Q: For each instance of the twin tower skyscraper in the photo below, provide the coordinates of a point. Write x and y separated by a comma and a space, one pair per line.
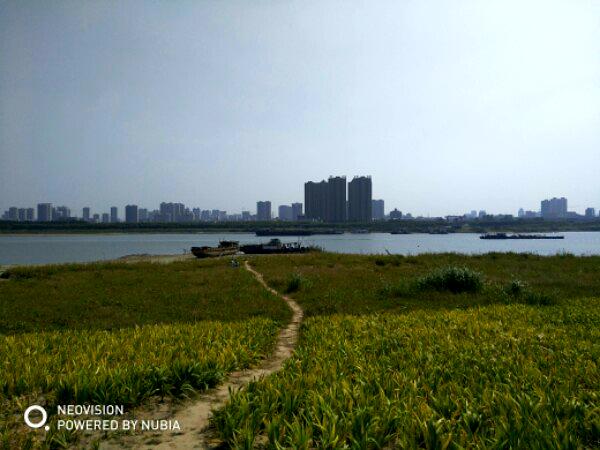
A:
336, 201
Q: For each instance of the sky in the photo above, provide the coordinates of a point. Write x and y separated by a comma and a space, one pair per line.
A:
449, 105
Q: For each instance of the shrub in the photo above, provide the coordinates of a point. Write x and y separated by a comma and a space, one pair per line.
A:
515, 288
453, 279
294, 283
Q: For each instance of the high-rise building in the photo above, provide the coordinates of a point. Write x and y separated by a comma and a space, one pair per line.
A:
114, 214
96, 218
521, 213
143, 215
61, 213
315, 200
263, 211
131, 214
482, 214
22, 214
336, 200
378, 207
86, 213
554, 208
13, 213
296, 211
246, 216
105, 218
360, 200
285, 213
395, 214
30, 215
590, 213
44, 212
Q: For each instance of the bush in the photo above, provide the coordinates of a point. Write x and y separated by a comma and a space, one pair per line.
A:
515, 288
294, 283
453, 279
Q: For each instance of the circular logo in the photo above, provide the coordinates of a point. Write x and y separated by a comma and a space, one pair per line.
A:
39, 409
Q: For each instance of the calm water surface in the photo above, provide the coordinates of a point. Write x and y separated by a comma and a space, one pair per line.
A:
43, 249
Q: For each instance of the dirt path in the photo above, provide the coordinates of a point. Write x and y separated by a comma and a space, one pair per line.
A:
194, 418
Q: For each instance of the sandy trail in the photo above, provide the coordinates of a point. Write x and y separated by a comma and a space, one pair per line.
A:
194, 418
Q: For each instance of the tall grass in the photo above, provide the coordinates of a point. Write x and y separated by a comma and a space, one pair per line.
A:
502, 376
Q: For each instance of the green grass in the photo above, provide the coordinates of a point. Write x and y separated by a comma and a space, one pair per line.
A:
499, 376
119, 333
116, 295
355, 284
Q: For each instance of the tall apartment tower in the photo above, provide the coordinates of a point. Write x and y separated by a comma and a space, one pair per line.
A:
336, 200
44, 212
86, 213
296, 210
114, 214
316, 200
263, 211
360, 198
554, 208
131, 214
378, 210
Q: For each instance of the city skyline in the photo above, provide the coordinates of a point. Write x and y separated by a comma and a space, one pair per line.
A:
449, 107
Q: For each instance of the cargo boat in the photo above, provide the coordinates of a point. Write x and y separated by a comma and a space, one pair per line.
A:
225, 248
518, 236
283, 232
275, 246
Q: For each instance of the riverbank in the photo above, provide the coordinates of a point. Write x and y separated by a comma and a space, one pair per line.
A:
506, 340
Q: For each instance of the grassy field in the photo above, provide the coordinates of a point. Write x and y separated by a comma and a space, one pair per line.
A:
391, 356
103, 296
431, 351
354, 284
120, 333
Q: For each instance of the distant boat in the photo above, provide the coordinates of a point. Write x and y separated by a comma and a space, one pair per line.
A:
283, 232
275, 246
225, 248
518, 236
399, 232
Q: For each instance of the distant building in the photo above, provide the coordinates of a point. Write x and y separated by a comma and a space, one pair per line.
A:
205, 215
378, 209
315, 200
114, 214
86, 213
143, 215
263, 211
30, 214
131, 214
96, 218
482, 214
61, 213
360, 200
13, 213
555, 208
521, 213
395, 214
44, 212
285, 213
296, 211
590, 213
105, 218
246, 216
336, 200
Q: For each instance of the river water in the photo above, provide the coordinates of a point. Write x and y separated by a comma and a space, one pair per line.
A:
43, 249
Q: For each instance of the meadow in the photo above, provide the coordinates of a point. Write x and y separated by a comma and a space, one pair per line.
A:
118, 333
433, 351
429, 351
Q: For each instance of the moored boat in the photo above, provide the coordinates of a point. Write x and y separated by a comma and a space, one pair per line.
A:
225, 248
275, 246
518, 236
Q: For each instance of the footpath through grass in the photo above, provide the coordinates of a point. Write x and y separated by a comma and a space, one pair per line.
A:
121, 333
433, 351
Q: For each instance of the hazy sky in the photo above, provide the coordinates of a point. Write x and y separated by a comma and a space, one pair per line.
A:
448, 105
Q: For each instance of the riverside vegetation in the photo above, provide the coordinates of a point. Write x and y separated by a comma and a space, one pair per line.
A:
118, 333
432, 351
